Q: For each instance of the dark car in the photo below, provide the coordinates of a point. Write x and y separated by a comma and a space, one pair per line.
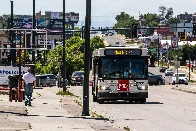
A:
155, 79
162, 69
77, 78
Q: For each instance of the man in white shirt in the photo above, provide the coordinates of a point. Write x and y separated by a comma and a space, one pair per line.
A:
28, 78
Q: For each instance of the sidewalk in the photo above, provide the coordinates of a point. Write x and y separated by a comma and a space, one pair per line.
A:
49, 112
181, 87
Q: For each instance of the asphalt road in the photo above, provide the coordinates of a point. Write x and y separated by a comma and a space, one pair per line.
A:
165, 110
111, 40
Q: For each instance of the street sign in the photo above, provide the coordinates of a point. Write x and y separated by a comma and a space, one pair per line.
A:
161, 50
180, 27
177, 64
174, 42
152, 49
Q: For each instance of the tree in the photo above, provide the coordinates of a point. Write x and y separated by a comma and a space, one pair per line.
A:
172, 20
77, 33
169, 13
74, 55
162, 10
165, 13
125, 21
23, 57
151, 20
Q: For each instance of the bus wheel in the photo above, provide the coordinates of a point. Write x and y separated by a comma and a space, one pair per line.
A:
130, 101
143, 100
100, 101
94, 98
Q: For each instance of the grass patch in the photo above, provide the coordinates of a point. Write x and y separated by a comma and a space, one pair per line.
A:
126, 128
60, 100
78, 102
94, 114
63, 93
38, 94
191, 81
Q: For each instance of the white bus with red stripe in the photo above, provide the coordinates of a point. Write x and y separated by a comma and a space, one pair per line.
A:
120, 73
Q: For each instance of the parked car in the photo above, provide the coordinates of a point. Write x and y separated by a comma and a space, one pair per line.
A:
155, 79
162, 69
182, 79
61, 82
168, 72
41, 80
77, 78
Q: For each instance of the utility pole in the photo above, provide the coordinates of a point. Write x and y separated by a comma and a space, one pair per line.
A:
158, 51
12, 38
167, 54
64, 60
189, 59
170, 53
85, 111
33, 38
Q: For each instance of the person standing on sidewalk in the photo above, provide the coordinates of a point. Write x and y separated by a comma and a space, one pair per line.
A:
28, 78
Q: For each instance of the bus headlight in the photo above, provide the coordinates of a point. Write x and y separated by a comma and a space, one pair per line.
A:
141, 87
104, 88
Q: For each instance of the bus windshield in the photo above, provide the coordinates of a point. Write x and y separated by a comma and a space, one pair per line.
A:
126, 67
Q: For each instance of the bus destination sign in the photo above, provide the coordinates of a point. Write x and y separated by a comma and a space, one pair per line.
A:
134, 52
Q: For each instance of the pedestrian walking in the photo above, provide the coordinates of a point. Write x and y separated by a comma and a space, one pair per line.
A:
28, 78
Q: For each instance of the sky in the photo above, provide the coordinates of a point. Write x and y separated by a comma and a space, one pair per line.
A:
103, 12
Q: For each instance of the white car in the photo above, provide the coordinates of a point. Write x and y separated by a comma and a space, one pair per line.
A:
168, 72
182, 79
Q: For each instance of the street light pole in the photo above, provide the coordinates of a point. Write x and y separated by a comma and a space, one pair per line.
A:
167, 55
12, 51
158, 50
85, 111
64, 60
33, 38
189, 60
170, 53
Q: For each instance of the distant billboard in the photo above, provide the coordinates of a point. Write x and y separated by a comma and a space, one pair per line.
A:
24, 23
164, 30
54, 24
70, 17
56, 15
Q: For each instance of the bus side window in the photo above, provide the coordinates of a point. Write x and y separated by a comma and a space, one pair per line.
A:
100, 68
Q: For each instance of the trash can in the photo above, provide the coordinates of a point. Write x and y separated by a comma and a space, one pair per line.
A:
13, 84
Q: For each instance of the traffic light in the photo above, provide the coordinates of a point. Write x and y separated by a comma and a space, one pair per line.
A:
182, 35
194, 29
134, 30
9, 58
